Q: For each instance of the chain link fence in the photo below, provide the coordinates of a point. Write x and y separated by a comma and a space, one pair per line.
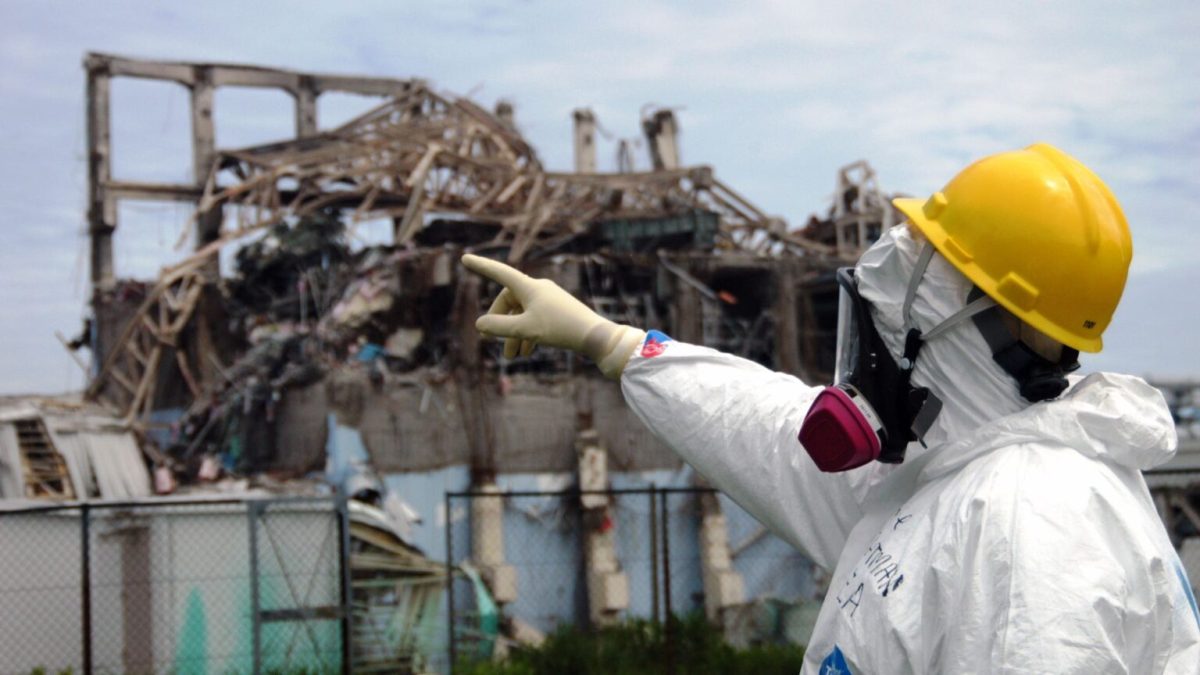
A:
175, 586
524, 564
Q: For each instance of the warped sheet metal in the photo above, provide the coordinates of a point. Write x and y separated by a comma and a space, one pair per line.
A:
11, 485
102, 458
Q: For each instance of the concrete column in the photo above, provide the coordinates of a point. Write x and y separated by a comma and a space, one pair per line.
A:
687, 311
662, 136
487, 544
208, 228
607, 584
585, 141
787, 318
306, 108
723, 586
504, 111
102, 211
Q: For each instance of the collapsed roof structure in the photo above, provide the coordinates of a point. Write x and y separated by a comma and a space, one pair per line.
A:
673, 247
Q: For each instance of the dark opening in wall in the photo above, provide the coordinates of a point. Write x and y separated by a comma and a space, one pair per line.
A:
741, 320
818, 311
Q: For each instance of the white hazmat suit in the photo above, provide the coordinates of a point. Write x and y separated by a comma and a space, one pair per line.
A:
1023, 540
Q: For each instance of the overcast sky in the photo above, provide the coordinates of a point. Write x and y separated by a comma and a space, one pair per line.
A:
775, 95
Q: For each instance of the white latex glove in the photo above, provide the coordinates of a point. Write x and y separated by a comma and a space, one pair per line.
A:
530, 312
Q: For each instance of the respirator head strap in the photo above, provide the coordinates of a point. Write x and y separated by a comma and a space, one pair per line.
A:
1038, 378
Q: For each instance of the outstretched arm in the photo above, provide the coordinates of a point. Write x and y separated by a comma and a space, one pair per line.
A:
733, 420
736, 422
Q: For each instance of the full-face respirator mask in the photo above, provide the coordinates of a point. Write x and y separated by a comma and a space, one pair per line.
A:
873, 411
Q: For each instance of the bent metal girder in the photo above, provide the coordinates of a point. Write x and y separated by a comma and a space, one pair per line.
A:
422, 154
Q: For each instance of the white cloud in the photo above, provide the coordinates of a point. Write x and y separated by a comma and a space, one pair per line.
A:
776, 95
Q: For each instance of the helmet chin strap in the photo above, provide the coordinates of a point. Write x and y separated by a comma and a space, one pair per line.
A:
971, 309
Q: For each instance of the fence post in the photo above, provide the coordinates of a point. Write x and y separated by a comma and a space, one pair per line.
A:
343, 520
654, 552
450, 647
253, 509
667, 627
85, 579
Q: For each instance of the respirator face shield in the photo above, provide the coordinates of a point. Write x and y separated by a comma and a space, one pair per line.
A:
872, 411
850, 310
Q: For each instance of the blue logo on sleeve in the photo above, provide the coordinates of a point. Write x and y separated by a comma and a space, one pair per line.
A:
654, 344
658, 336
835, 664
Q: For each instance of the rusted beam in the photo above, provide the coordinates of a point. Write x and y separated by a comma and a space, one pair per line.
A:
118, 66
153, 191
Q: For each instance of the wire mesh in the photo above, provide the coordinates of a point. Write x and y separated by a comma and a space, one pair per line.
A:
173, 587
40, 591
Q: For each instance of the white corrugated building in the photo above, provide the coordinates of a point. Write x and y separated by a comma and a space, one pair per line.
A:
61, 449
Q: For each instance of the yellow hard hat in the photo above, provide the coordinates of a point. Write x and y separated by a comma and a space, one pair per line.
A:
1040, 233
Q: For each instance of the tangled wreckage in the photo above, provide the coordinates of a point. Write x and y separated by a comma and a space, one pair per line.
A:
246, 368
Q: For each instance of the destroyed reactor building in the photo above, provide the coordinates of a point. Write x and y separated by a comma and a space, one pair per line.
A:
252, 362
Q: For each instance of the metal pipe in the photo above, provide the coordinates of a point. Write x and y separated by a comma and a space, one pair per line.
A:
450, 646
667, 626
343, 522
654, 553
253, 509
85, 527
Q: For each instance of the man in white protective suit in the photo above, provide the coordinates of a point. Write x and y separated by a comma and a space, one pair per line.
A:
981, 510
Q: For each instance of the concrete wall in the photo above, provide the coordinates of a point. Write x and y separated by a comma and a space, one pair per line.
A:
415, 426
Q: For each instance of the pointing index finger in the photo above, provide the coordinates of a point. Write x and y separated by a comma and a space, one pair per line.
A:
509, 277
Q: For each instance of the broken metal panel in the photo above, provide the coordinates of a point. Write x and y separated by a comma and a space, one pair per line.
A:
59, 449
695, 229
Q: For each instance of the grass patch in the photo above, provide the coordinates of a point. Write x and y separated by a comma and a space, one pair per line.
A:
638, 647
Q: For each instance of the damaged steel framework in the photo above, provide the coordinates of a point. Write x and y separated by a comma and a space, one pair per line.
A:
673, 247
